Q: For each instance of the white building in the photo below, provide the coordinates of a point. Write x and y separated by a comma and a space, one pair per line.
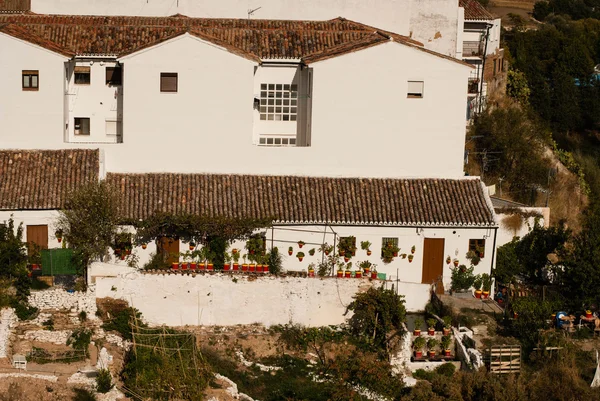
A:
355, 101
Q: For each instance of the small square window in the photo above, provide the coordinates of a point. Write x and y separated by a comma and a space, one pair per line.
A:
30, 80
82, 126
477, 246
415, 89
83, 75
168, 82
113, 76
262, 141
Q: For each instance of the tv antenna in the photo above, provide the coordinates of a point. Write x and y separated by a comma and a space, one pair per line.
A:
251, 11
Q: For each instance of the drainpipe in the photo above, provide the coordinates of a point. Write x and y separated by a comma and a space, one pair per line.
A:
493, 258
487, 36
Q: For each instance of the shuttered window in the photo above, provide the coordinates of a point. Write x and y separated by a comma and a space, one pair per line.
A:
83, 75
30, 80
415, 89
168, 82
113, 75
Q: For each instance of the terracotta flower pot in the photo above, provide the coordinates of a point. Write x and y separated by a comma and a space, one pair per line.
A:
193, 265
374, 275
417, 332
175, 265
210, 267
59, 240
447, 352
122, 257
202, 266
259, 268
300, 258
456, 263
300, 244
446, 331
340, 273
358, 274
431, 354
418, 354
265, 269
236, 267
485, 294
252, 268
348, 274
311, 273
367, 270
346, 259
184, 266
369, 253
226, 267
326, 253
245, 267
588, 314
290, 253
478, 294
144, 246
431, 331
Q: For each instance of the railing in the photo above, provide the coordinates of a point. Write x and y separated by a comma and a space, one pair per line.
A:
471, 48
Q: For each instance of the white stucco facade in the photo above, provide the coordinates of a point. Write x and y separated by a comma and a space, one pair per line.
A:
433, 22
362, 123
34, 218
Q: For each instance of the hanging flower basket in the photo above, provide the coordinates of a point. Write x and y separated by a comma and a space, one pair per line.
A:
455, 261
144, 246
192, 246
448, 260
410, 258
301, 244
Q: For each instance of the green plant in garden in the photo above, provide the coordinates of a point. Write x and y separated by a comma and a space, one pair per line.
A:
275, 261
311, 252
432, 343
446, 342
477, 282
486, 282
80, 339
419, 323
419, 343
447, 321
462, 278
431, 323
104, 381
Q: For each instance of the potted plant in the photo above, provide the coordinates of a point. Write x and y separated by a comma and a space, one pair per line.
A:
445, 345
431, 344
413, 249
301, 244
418, 325
347, 246
366, 246
340, 272
192, 246
326, 248
486, 282
447, 325
201, 255
226, 261
419, 345
477, 286
245, 266
389, 252
410, 258
235, 256
255, 246
474, 256
365, 265
311, 270
35, 256
300, 256
290, 251
431, 326
59, 235
348, 272
144, 246
347, 256
312, 252
448, 260
374, 272
455, 262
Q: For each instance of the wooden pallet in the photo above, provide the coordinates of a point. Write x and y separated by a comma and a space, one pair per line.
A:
505, 359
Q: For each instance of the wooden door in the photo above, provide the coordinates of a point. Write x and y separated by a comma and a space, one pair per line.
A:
38, 235
169, 247
433, 262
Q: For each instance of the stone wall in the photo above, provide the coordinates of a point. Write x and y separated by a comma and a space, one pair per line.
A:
8, 319
57, 298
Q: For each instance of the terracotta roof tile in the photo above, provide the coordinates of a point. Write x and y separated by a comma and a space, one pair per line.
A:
254, 39
294, 199
41, 179
15, 6
475, 11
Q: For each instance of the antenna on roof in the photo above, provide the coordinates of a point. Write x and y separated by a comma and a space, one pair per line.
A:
251, 12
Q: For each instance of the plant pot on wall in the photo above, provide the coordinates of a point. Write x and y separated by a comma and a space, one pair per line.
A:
340, 273
236, 267
174, 265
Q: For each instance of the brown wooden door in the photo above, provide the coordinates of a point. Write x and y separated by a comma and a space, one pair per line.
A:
433, 262
38, 235
170, 249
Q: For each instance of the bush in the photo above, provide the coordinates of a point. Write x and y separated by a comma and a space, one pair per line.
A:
82, 394
80, 339
462, 278
82, 316
104, 381
23, 311
275, 262
120, 321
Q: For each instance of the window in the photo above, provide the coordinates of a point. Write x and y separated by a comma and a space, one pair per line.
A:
388, 241
277, 141
82, 126
31, 80
82, 75
477, 246
113, 128
113, 75
168, 82
278, 102
415, 89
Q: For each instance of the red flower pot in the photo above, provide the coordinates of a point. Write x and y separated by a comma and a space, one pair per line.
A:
193, 266
431, 331
348, 274
395, 254
300, 244
485, 294
59, 240
346, 259
259, 268
311, 273
265, 269
456, 263
252, 268
122, 257
184, 266
244, 267
175, 265
418, 354
478, 294
447, 352
367, 270
588, 315
368, 253
236, 267
358, 274
431, 354
300, 258
144, 246
417, 332
210, 267
226, 267
374, 275
340, 273
446, 331
290, 253
201, 266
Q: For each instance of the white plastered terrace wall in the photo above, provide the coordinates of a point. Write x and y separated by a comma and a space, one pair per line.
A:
431, 21
30, 118
218, 299
506, 233
360, 112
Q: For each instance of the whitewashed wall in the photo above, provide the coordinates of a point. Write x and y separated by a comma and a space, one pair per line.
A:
507, 233
30, 119
431, 21
34, 217
220, 300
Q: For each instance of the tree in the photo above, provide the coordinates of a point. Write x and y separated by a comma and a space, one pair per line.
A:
377, 313
89, 222
516, 86
13, 258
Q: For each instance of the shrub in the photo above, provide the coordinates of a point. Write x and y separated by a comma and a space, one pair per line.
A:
275, 262
120, 322
462, 278
104, 381
23, 311
80, 339
82, 316
82, 394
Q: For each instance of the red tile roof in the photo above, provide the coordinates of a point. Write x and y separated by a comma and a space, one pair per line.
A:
41, 179
475, 11
14, 6
294, 199
310, 41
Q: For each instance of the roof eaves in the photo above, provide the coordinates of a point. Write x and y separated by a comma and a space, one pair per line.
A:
152, 44
345, 48
21, 33
238, 52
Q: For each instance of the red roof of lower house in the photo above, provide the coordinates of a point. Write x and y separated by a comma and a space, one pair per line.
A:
42, 179
475, 11
308, 200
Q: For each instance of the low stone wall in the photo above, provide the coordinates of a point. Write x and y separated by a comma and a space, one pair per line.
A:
57, 298
8, 319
